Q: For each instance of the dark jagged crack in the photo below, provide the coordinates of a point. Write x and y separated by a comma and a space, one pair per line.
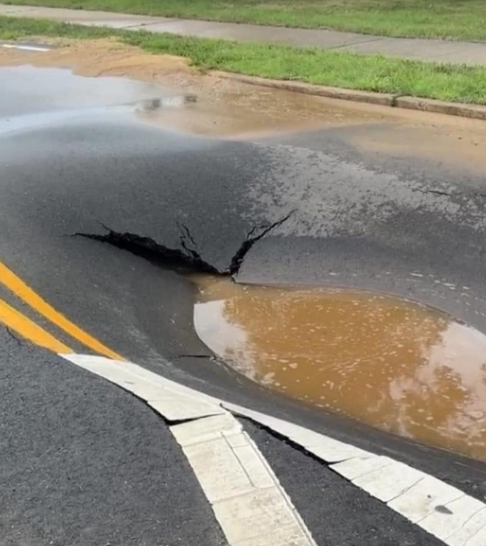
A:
437, 192
281, 437
186, 236
13, 336
250, 240
454, 193
186, 259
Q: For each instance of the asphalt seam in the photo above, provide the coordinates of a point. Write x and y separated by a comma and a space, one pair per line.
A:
208, 426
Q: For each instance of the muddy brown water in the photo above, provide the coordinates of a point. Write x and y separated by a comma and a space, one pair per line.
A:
391, 363
230, 109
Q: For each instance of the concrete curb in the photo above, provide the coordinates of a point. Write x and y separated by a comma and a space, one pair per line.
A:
471, 111
382, 99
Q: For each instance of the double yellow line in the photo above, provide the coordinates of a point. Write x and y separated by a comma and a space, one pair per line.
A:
25, 327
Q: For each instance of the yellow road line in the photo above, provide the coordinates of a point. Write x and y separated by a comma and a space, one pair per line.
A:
16, 321
25, 293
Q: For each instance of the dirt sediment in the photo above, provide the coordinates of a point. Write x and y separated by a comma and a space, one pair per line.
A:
232, 109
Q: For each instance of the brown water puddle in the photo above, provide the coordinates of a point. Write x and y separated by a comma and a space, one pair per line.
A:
391, 363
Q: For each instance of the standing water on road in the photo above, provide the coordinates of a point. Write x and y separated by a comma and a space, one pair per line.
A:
391, 363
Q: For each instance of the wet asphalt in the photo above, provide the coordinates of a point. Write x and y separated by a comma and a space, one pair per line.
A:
397, 225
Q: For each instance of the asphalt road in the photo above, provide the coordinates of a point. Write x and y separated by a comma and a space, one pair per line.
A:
84, 463
66, 171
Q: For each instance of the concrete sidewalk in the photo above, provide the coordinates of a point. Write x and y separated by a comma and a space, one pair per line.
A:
417, 49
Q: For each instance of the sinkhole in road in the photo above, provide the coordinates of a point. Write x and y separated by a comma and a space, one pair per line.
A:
391, 363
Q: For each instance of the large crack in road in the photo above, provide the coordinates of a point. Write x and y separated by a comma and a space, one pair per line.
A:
186, 259
362, 222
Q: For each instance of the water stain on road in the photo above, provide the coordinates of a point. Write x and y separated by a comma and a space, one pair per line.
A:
25, 88
224, 108
391, 363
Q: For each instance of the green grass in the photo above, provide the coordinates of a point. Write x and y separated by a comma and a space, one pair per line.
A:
449, 19
340, 69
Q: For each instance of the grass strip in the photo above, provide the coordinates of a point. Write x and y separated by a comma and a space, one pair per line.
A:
334, 68
447, 19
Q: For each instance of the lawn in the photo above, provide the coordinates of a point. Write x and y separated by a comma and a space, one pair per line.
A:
449, 19
317, 66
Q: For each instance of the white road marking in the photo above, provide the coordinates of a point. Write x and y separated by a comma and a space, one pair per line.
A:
423, 498
248, 501
170, 399
356, 468
26, 47
214, 428
472, 532
389, 482
445, 524
323, 447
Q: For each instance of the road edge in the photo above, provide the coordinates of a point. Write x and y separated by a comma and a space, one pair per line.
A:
471, 111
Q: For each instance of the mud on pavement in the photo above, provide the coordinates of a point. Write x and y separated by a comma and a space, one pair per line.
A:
234, 109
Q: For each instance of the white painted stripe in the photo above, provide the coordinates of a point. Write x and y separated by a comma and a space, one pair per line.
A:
323, 447
249, 503
214, 427
356, 468
247, 499
101, 365
472, 533
410, 492
169, 399
389, 482
25, 47
457, 514
424, 497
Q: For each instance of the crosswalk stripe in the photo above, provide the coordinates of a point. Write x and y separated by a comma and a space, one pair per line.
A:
406, 490
249, 503
229, 466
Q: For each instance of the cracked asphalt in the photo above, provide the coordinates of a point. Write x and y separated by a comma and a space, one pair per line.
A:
352, 218
186, 259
